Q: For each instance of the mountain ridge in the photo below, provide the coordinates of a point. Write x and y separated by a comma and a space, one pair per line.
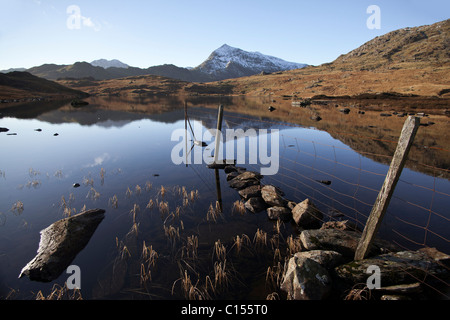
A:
240, 63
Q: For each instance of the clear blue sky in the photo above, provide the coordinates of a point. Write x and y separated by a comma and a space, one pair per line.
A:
184, 32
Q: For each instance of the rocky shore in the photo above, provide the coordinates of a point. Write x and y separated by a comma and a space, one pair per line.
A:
324, 267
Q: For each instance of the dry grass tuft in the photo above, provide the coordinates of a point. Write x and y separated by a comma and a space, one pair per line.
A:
239, 207
220, 251
114, 202
17, 208
60, 293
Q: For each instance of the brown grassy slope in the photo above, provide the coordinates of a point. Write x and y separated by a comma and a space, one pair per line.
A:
23, 85
408, 61
135, 86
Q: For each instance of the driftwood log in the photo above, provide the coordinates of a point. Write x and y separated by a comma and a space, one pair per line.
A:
60, 243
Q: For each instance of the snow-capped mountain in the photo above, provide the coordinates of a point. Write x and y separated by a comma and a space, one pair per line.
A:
105, 64
228, 62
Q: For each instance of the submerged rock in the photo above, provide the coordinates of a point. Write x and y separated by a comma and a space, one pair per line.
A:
60, 243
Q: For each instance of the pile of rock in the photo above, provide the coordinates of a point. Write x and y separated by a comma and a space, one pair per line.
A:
268, 197
324, 267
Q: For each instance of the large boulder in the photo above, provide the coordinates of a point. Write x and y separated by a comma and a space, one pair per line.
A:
326, 258
60, 243
404, 267
273, 196
306, 215
305, 279
344, 242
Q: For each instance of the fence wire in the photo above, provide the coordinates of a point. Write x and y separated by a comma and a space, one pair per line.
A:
344, 184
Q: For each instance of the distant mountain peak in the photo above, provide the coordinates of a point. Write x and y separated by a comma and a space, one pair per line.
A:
230, 62
105, 64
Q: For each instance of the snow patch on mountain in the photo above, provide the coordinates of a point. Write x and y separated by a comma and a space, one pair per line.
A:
227, 57
105, 64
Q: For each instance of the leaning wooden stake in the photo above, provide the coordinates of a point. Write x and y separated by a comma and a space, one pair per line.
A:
379, 209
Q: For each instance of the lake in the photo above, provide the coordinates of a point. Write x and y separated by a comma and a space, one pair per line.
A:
163, 229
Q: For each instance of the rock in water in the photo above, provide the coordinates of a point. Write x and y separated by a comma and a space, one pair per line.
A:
306, 215
273, 196
282, 213
256, 204
305, 279
60, 243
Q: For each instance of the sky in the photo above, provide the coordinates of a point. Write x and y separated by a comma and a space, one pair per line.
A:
185, 32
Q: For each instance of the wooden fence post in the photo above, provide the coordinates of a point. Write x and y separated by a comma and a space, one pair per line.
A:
218, 134
382, 202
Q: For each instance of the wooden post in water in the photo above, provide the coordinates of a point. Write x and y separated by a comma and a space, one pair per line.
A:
185, 131
384, 197
218, 134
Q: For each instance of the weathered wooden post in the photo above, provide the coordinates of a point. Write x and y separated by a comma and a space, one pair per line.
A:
218, 134
382, 202
185, 131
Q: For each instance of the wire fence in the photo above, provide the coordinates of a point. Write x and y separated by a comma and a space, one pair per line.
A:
344, 184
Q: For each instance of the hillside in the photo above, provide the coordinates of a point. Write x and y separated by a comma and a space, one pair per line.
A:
23, 85
411, 61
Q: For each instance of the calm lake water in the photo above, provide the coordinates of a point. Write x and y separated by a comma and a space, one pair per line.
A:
121, 155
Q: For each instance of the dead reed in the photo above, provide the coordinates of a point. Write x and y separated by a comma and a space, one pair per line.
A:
138, 190
88, 182
190, 250
191, 291
128, 193
360, 291
163, 208
274, 276
149, 255
93, 194
60, 293
150, 204
220, 251
214, 212
260, 239
221, 277
114, 202
293, 245
17, 208
162, 192
240, 241
238, 207
102, 176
